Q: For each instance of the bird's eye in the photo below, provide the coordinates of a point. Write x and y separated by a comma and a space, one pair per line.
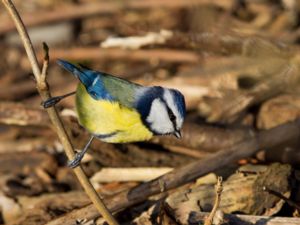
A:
171, 115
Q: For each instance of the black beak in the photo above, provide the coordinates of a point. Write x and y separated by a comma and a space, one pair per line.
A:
177, 134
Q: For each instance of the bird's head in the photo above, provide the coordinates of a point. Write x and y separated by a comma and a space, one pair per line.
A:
162, 110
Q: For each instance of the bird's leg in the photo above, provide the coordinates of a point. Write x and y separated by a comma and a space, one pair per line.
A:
79, 155
52, 101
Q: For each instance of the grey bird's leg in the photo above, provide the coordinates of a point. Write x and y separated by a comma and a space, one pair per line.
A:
52, 101
79, 155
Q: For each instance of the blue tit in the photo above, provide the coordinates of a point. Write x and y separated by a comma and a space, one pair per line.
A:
118, 111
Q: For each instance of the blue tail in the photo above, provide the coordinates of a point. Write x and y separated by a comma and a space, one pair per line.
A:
70, 67
86, 76
89, 78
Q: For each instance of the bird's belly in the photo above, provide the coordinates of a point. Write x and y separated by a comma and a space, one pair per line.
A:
109, 121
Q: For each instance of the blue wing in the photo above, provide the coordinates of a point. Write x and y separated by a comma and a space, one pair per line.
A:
103, 86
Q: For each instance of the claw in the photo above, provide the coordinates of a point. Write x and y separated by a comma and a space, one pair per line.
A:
76, 161
51, 102
79, 155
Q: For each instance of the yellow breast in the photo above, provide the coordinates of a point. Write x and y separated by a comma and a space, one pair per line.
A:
102, 117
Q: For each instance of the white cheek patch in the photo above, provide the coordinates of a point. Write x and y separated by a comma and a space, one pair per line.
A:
171, 104
158, 118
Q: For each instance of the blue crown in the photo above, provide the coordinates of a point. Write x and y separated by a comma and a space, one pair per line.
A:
179, 101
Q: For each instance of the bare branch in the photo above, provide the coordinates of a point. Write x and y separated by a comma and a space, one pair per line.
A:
219, 188
188, 173
59, 127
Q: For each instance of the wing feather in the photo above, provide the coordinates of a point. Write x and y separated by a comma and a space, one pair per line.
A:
104, 86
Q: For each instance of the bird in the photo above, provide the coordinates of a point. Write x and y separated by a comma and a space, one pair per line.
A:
115, 110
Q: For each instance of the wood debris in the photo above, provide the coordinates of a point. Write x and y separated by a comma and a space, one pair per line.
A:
237, 64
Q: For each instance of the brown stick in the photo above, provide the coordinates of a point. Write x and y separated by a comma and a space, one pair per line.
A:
218, 43
25, 145
140, 174
281, 196
197, 140
20, 114
180, 176
55, 119
64, 13
198, 217
166, 55
231, 107
219, 189
205, 137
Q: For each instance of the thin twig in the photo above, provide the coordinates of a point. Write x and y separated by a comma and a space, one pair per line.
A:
219, 189
129, 174
55, 119
69, 12
238, 219
45, 63
13, 113
281, 196
261, 140
163, 55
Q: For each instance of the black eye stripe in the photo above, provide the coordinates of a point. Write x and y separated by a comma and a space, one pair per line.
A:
170, 113
171, 116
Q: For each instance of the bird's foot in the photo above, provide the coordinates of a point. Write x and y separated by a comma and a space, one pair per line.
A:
51, 102
76, 161
54, 100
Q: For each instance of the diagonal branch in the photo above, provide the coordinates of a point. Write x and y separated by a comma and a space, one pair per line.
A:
54, 117
260, 140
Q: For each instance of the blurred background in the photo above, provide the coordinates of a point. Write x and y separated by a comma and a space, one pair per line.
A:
236, 61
